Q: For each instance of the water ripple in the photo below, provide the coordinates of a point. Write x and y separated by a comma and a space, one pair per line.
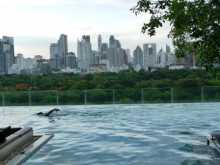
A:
155, 134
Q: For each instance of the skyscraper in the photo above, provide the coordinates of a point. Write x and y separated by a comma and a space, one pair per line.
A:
116, 55
58, 53
99, 43
71, 60
63, 49
104, 51
138, 57
112, 42
113, 52
162, 59
150, 55
54, 56
168, 49
171, 58
128, 55
7, 58
84, 53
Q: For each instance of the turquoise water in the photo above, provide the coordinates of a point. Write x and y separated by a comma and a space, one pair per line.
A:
157, 134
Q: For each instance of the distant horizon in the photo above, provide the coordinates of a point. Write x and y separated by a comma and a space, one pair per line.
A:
36, 24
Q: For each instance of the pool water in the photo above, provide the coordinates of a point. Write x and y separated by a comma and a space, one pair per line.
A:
154, 134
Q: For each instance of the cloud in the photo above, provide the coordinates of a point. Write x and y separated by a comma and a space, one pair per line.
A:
47, 3
117, 3
43, 20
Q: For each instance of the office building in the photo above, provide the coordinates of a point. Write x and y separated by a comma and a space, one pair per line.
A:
7, 58
116, 55
71, 61
150, 53
63, 49
99, 43
84, 53
58, 53
138, 58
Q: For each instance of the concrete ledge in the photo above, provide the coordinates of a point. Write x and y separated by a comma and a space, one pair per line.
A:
29, 150
15, 142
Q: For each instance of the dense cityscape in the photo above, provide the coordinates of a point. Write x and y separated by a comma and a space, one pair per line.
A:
110, 57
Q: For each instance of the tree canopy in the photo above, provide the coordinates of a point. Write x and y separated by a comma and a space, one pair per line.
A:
122, 80
195, 26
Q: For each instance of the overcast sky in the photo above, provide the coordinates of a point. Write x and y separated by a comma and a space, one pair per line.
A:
36, 23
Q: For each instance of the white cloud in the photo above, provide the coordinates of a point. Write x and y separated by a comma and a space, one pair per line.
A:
47, 19
17, 3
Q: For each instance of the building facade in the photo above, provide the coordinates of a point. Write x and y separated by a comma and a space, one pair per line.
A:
7, 58
116, 55
84, 53
55, 59
23, 65
99, 43
138, 58
150, 55
58, 53
71, 61
63, 49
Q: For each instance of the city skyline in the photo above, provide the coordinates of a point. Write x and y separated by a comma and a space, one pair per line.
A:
109, 56
40, 23
72, 44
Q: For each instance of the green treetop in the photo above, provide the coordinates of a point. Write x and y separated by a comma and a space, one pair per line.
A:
195, 26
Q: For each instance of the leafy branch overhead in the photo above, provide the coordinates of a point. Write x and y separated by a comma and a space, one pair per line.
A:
195, 25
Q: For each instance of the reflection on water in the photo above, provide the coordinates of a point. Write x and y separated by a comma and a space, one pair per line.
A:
159, 134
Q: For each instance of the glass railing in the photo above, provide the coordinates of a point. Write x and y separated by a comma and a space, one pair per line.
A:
157, 95
127, 96
98, 96
182, 95
15, 98
43, 97
110, 96
73, 97
211, 94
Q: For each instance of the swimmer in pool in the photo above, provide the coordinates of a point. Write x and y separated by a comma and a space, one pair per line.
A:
48, 114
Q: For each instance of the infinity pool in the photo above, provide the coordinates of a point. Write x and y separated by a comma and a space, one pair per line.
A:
157, 134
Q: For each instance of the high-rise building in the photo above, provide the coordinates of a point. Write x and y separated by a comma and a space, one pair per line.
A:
128, 54
99, 43
63, 49
71, 60
116, 55
162, 59
84, 53
167, 58
171, 56
96, 58
168, 49
138, 58
113, 52
58, 53
112, 42
104, 51
7, 58
55, 59
150, 55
